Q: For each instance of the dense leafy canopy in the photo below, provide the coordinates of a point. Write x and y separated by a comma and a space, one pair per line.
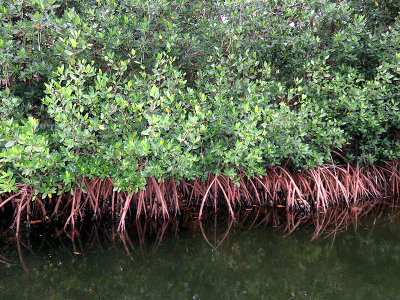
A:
132, 89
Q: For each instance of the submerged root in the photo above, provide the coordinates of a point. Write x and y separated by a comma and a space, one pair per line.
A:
316, 189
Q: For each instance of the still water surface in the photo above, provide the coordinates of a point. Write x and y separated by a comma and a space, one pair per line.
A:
167, 261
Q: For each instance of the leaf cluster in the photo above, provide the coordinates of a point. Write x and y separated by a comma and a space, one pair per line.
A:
132, 89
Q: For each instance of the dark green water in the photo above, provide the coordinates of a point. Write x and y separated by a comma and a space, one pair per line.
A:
178, 263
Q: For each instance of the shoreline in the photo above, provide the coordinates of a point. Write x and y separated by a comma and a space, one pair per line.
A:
317, 189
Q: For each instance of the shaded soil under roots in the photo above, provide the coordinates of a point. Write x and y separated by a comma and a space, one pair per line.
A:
307, 191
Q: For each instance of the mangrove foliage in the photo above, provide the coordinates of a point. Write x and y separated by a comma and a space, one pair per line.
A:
109, 105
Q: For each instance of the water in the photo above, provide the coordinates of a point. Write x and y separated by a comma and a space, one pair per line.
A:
220, 260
